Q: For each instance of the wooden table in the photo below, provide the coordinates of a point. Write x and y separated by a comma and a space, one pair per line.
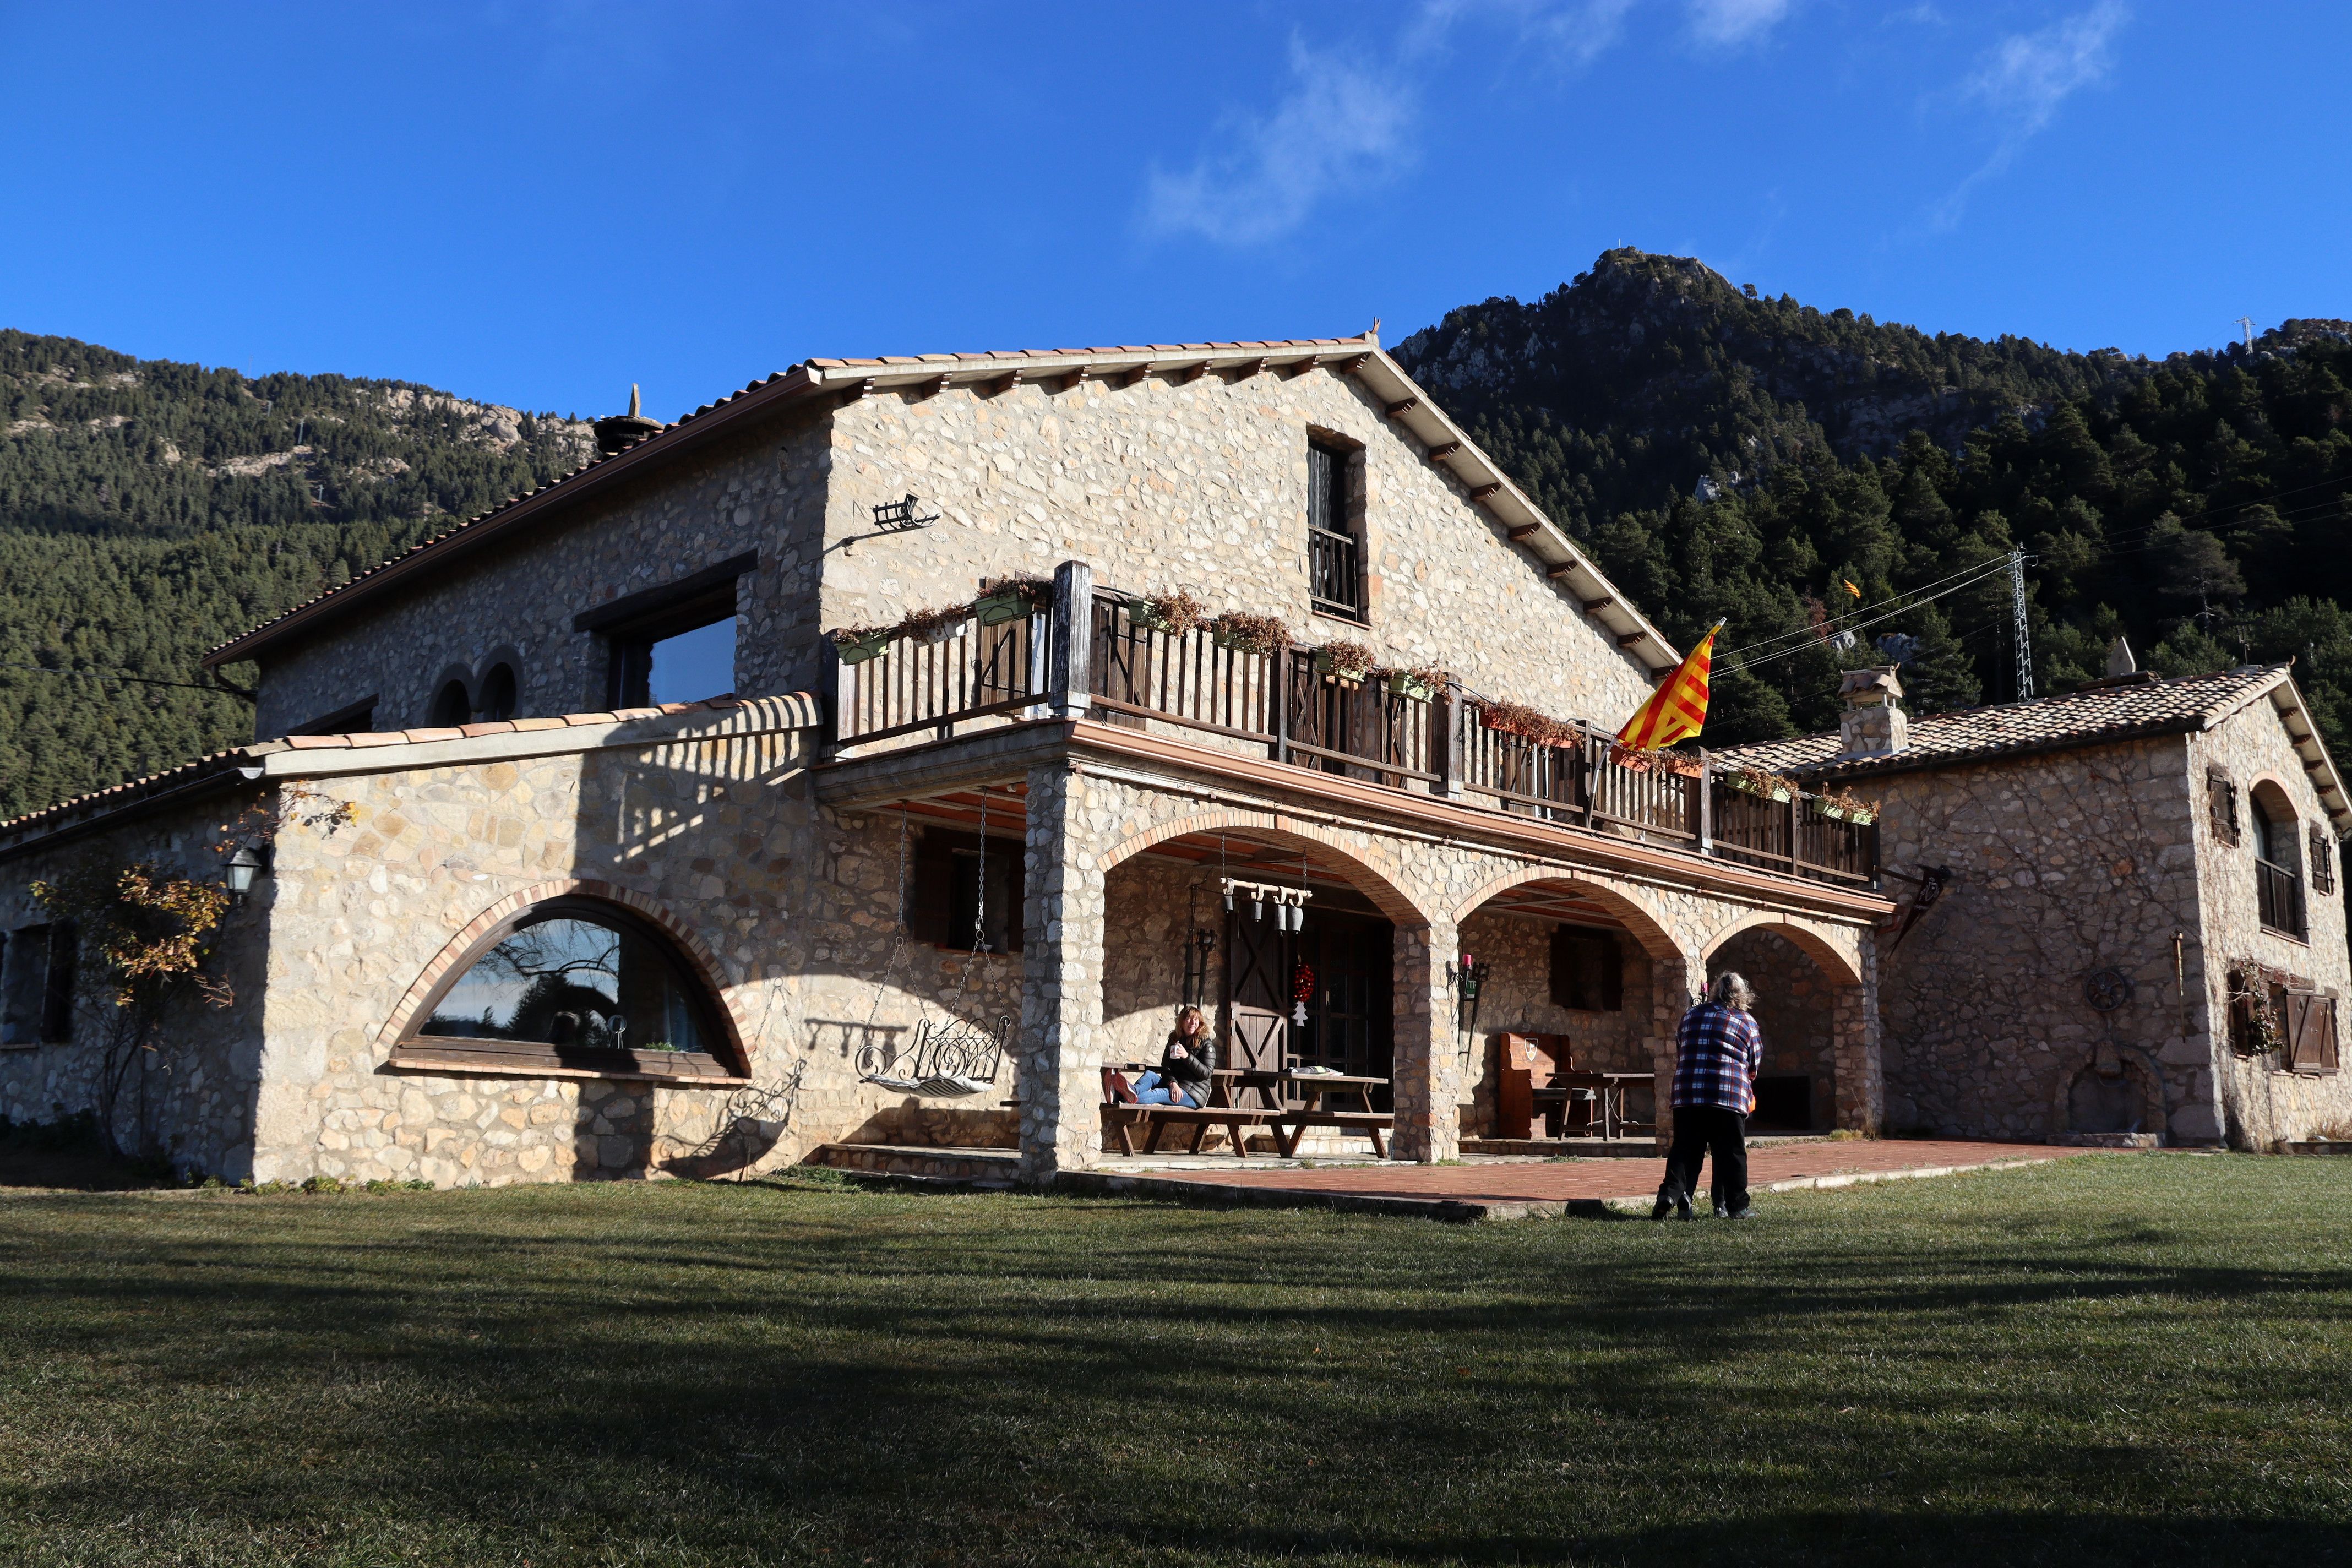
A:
1275, 1090
1608, 1089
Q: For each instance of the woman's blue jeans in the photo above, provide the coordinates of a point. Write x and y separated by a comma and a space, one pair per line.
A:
1153, 1089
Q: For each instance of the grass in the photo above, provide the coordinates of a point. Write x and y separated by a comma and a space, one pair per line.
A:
2102, 1360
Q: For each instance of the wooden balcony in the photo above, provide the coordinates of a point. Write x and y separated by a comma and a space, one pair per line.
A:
1095, 652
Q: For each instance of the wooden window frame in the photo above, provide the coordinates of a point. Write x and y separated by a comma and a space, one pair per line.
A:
726, 1067
2323, 860
2223, 806
632, 624
935, 909
2307, 1018
1565, 940
60, 953
1341, 501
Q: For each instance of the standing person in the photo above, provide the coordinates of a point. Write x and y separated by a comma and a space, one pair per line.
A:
1716, 1052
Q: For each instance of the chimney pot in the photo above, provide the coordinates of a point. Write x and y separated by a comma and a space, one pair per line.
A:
1873, 724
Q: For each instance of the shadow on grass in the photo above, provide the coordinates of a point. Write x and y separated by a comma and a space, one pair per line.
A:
795, 1371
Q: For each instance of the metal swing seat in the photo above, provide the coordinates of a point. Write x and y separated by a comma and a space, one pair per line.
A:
952, 1058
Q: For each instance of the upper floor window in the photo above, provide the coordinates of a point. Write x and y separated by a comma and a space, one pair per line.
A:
671, 644
2278, 860
452, 705
1335, 542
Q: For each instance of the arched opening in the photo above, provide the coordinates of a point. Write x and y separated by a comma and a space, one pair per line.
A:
496, 701
1796, 1008
577, 983
1300, 974
2278, 859
452, 706
1559, 1037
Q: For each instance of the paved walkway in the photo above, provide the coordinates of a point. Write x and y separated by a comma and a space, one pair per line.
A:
1511, 1188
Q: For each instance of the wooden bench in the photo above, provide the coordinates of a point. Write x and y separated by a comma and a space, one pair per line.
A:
1373, 1123
1124, 1119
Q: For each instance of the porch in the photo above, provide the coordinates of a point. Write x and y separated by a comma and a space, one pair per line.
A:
1421, 900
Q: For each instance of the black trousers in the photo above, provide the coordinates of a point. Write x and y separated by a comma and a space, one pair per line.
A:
1699, 1131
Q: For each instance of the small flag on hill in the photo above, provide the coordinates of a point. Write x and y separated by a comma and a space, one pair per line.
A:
1676, 711
1851, 588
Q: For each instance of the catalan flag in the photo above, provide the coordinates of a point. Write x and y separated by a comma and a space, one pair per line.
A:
1676, 711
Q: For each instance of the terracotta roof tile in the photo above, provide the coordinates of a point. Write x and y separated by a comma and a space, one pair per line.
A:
2088, 717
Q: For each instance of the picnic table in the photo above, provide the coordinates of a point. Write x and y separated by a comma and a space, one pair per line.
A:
1604, 1090
1288, 1103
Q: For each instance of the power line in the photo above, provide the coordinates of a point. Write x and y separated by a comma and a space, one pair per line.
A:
119, 676
1907, 598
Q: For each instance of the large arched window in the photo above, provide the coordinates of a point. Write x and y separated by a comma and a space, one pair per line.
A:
2278, 859
496, 699
574, 984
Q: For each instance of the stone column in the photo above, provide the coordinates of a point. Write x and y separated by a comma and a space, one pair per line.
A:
1674, 983
1854, 1040
1426, 1080
1060, 1050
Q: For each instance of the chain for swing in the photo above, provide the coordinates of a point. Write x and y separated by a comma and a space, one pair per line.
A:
951, 1058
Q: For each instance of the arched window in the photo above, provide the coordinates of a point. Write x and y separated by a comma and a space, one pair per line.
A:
579, 984
452, 706
497, 702
2278, 859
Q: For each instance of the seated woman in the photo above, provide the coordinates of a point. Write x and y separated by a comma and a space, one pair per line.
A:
1186, 1069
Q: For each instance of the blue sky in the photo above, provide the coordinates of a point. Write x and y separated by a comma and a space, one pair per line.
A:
540, 203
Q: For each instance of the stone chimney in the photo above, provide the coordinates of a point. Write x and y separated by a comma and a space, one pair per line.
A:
619, 432
1871, 725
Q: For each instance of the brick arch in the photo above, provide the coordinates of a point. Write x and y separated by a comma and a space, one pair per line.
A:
698, 952
1376, 872
1645, 926
1836, 965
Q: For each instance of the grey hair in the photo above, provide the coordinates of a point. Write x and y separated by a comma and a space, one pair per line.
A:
1730, 989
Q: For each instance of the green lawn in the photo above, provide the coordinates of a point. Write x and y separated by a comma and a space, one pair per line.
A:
2107, 1360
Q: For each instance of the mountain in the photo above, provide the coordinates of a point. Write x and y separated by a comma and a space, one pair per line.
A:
151, 509
1867, 478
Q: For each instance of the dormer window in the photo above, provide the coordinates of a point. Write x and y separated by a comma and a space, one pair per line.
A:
1335, 531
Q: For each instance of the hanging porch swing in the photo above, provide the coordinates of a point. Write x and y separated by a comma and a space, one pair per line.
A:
951, 1056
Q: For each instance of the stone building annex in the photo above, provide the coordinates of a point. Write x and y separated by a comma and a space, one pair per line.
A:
1051, 691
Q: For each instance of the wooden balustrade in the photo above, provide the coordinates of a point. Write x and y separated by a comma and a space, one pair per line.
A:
1135, 671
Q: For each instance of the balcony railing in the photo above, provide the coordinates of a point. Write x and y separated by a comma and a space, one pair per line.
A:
1335, 572
1121, 667
2278, 892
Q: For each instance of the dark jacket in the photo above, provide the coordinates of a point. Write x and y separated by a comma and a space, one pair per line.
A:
1192, 1070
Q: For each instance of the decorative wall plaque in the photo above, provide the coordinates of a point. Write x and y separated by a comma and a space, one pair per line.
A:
2106, 989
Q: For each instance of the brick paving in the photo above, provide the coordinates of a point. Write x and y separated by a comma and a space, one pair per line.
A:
1514, 1183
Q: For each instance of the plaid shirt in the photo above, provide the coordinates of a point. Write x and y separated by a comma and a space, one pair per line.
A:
1716, 1053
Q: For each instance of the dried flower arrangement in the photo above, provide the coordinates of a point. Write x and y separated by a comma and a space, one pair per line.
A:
1421, 683
1250, 634
1347, 660
932, 624
1175, 614
1518, 719
1847, 806
1003, 599
1761, 782
1655, 760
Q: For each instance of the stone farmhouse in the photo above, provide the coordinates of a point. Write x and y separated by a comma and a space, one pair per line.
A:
2122, 915
871, 756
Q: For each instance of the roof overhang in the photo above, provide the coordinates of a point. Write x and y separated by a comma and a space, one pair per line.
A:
2287, 697
823, 383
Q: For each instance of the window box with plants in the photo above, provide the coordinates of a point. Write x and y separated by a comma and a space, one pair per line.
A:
1347, 662
1420, 685
1173, 613
1012, 599
858, 644
1246, 633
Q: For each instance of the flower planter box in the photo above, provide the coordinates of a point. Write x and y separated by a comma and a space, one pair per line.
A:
1141, 613
858, 650
1351, 675
1402, 684
945, 632
1839, 814
1005, 605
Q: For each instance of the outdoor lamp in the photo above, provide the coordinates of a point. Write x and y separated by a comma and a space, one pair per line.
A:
243, 866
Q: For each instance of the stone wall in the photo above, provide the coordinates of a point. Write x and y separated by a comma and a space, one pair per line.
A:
762, 491
2062, 864
1153, 904
1795, 1008
190, 1102
1201, 486
2260, 1101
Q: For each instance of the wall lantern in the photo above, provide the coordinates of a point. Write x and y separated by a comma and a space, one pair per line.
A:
247, 863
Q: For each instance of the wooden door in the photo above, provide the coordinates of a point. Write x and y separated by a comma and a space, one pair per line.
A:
1257, 989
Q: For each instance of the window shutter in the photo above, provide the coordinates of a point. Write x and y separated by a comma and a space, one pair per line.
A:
2322, 861
2324, 1012
931, 891
58, 988
2301, 1031
2225, 800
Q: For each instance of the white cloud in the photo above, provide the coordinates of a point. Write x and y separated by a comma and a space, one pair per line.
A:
1727, 23
2026, 79
1573, 32
1343, 126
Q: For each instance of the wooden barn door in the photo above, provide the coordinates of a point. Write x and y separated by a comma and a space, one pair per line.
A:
1257, 971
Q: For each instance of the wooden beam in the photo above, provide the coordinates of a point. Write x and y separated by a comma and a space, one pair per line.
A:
1353, 364
1403, 405
1594, 606
1188, 377
1439, 453
1564, 570
1299, 367
1076, 379
1631, 638
930, 388
1004, 383
863, 389
1526, 530
1247, 369
1131, 377
1482, 491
